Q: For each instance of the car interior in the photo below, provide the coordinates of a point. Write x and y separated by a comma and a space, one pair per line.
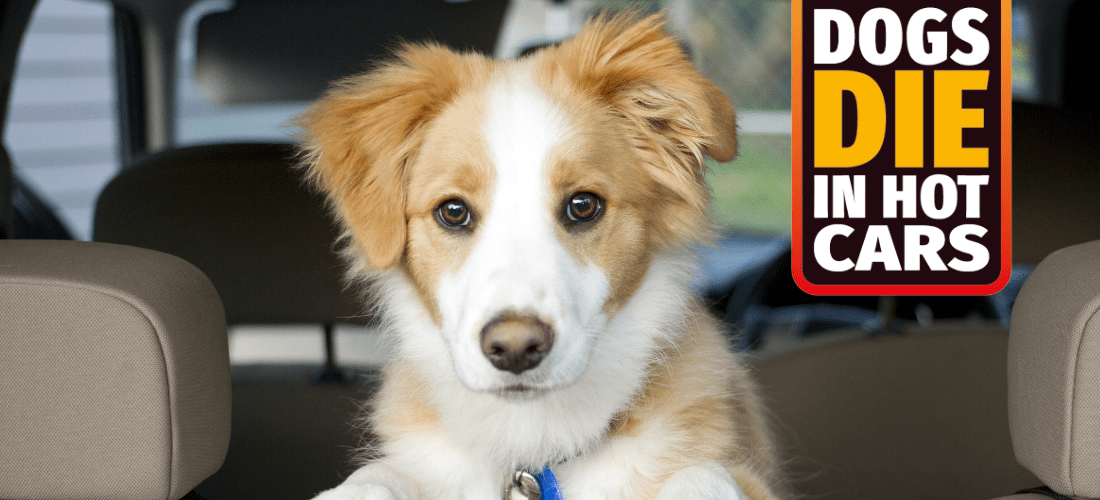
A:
160, 281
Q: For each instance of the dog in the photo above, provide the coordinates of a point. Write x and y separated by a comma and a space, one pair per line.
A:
526, 227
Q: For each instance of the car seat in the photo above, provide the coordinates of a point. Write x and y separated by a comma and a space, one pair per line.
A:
241, 213
1054, 374
1055, 177
915, 415
115, 373
920, 412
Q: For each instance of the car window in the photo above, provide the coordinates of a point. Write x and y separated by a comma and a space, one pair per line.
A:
1023, 64
62, 128
745, 47
200, 121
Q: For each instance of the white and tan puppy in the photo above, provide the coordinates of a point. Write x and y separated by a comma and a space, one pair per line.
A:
527, 228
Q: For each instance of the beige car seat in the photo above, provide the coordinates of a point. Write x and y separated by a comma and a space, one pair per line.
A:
1054, 374
242, 214
922, 413
114, 373
916, 415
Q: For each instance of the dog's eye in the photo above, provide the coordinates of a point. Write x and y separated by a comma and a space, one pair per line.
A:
453, 214
583, 207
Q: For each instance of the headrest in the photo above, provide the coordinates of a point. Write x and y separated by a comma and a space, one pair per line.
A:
243, 215
1055, 178
1054, 371
115, 373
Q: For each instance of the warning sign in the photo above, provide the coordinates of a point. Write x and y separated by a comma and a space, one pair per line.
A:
901, 147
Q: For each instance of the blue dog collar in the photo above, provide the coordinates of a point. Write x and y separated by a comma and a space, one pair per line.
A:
541, 485
548, 485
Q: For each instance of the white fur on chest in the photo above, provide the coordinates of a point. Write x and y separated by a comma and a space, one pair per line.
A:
483, 437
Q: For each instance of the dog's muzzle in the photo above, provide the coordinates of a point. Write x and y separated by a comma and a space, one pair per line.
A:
516, 343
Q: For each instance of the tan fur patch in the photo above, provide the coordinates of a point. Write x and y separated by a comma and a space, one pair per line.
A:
700, 403
359, 137
669, 113
643, 117
595, 158
401, 406
453, 163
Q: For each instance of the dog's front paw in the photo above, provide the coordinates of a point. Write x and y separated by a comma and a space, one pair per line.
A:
702, 482
359, 492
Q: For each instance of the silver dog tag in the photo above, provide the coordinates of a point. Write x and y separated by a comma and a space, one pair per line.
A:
523, 486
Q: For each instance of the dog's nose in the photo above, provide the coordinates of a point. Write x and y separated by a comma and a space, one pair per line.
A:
516, 343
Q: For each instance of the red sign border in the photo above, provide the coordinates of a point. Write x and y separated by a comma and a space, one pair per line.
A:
1006, 178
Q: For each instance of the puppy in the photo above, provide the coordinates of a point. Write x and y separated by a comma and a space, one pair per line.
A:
526, 227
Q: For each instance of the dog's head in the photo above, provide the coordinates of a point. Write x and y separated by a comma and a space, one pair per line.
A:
523, 201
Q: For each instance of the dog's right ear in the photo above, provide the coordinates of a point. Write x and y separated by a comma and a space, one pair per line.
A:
358, 138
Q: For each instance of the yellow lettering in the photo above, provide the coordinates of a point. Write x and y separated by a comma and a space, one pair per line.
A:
951, 118
829, 150
909, 118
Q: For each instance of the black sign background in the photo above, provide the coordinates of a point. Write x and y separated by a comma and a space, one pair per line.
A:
989, 136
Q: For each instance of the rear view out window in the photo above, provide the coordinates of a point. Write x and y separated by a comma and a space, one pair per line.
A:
62, 128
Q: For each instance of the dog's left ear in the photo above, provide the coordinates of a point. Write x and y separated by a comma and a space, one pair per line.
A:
675, 115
